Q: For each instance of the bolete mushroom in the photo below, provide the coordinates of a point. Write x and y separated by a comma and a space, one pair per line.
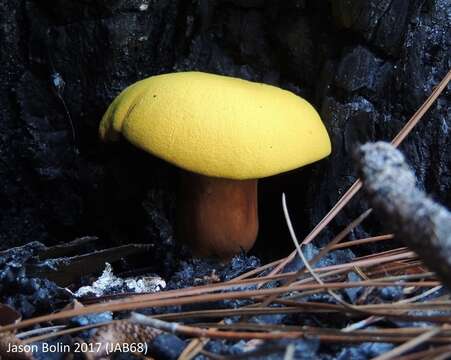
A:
225, 133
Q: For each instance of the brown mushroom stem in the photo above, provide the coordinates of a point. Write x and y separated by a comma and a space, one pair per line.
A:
215, 216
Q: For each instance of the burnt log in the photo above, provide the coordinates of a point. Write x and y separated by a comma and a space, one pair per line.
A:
365, 65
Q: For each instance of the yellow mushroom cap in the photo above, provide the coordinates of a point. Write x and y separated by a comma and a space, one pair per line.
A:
217, 125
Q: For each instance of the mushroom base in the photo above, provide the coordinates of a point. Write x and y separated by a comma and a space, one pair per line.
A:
217, 217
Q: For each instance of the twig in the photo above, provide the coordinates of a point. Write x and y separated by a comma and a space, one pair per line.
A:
66, 331
289, 353
362, 323
324, 251
363, 241
408, 345
423, 225
48, 329
304, 259
426, 354
247, 294
373, 319
326, 335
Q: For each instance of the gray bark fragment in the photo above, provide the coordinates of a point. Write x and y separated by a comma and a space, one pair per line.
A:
424, 225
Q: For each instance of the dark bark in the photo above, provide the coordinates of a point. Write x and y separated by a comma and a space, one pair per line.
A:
365, 65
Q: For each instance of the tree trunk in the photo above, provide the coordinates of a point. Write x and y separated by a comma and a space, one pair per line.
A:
365, 65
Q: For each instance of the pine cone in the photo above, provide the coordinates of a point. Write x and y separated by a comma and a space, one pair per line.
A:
8, 340
120, 333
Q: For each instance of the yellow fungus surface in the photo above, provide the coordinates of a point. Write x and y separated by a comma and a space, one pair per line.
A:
217, 125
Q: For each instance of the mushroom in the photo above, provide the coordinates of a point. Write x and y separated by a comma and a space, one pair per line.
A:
225, 133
